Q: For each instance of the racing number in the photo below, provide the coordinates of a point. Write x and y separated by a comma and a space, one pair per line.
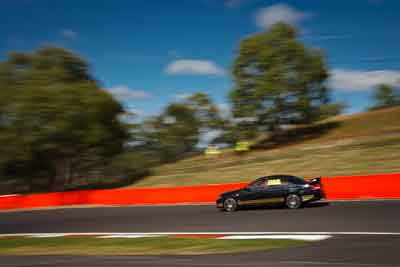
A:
274, 182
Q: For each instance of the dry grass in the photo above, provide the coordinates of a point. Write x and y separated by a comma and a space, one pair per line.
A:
363, 143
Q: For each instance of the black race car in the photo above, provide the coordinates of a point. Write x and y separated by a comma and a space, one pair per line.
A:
276, 189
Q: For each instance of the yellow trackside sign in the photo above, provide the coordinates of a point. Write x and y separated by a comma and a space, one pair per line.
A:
242, 146
212, 151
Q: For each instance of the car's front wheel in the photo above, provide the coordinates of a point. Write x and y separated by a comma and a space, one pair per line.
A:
293, 201
230, 204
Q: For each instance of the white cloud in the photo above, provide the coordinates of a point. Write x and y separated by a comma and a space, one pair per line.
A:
356, 80
194, 67
124, 93
68, 34
279, 13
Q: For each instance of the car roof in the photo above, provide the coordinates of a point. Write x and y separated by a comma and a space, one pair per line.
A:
278, 176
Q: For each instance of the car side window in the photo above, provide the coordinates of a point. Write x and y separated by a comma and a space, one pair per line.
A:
284, 181
295, 180
258, 183
264, 183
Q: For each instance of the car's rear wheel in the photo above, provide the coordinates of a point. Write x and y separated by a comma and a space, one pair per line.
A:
293, 201
230, 205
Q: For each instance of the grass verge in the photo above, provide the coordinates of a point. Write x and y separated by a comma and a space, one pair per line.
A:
136, 246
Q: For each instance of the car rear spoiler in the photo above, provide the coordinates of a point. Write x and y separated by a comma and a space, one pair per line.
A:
315, 181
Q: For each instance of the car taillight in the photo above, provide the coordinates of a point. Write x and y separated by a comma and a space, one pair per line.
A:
315, 186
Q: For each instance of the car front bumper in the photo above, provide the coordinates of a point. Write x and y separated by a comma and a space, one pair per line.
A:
220, 203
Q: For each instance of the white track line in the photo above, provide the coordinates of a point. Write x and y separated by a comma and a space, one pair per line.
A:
127, 236
46, 235
198, 233
293, 237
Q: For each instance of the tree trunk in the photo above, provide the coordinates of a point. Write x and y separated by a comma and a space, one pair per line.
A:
67, 172
59, 180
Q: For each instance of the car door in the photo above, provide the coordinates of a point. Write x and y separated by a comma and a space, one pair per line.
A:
253, 194
276, 190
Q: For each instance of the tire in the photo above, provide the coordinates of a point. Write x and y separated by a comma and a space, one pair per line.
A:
293, 201
230, 205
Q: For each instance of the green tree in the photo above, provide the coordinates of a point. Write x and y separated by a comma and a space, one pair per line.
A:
172, 134
278, 80
206, 112
385, 96
178, 129
55, 117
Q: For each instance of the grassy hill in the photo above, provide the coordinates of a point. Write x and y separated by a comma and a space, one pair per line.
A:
363, 143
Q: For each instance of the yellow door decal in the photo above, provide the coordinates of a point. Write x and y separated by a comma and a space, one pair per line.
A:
261, 201
307, 197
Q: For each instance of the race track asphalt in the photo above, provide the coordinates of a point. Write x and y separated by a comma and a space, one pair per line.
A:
341, 250
379, 216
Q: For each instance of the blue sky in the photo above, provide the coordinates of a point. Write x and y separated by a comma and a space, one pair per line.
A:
149, 53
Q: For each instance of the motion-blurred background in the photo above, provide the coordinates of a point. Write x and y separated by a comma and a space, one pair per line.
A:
107, 94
